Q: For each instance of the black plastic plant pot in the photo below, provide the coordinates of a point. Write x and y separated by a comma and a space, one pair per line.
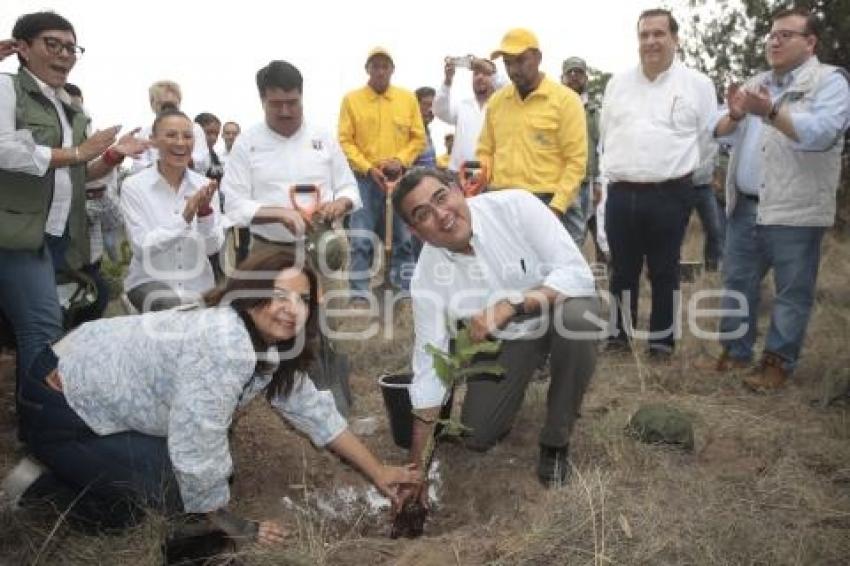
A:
395, 389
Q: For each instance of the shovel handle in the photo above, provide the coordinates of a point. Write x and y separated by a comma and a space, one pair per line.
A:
473, 177
306, 210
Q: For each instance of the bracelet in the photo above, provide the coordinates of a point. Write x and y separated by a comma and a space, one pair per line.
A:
112, 158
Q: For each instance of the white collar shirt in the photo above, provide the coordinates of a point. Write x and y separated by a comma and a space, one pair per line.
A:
60, 206
263, 165
467, 116
518, 245
651, 131
165, 247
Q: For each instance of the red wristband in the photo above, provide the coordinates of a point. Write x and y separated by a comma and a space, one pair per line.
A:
112, 158
205, 210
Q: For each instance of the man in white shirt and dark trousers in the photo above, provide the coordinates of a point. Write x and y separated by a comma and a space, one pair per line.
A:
503, 263
279, 153
653, 136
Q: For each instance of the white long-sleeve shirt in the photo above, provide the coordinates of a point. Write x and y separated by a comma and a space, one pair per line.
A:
518, 245
18, 151
180, 374
200, 151
652, 131
263, 165
165, 247
467, 116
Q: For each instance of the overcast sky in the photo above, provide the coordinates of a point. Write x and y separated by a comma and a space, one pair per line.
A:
213, 49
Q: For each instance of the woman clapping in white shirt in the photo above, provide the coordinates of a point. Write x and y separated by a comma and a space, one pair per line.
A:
172, 220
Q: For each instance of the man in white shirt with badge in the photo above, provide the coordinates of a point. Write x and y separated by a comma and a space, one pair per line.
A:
283, 151
502, 263
654, 136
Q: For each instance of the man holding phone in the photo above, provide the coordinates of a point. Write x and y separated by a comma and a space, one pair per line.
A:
467, 115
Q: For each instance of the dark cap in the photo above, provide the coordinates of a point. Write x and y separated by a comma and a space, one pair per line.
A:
574, 63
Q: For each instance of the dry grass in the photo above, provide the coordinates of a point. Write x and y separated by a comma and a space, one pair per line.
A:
768, 481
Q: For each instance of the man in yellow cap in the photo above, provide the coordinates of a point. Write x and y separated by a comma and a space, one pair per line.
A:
534, 135
381, 133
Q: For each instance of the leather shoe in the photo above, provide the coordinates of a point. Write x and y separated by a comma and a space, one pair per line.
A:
770, 375
722, 364
554, 466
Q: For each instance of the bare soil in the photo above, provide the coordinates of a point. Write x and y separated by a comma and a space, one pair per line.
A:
767, 483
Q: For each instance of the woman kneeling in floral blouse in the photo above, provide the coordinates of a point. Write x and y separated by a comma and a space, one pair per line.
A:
134, 411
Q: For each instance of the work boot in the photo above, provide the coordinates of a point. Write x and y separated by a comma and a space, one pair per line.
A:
554, 466
722, 364
770, 375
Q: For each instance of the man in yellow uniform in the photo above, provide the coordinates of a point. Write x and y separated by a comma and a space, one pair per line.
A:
534, 135
381, 133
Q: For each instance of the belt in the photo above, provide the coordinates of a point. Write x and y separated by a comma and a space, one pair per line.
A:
753, 198
655, 184
272, 242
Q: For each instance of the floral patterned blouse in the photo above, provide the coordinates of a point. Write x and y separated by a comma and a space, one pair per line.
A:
181, 374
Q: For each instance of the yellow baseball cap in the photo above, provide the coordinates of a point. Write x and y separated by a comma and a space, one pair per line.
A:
379, 51
516, 41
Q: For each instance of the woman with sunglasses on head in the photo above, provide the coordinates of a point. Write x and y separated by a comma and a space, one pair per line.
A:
145, 422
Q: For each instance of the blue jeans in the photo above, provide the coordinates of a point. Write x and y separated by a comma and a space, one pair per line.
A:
751, 250
708, 210
575, 218
108, 479
28, 300
647, 222
370, 218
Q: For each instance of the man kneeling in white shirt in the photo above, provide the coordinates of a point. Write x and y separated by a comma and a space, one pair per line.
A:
504, 264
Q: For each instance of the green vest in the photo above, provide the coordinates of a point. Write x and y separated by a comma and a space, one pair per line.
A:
25, 199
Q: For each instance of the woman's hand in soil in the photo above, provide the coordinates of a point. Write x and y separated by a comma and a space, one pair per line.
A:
392, 480
270, 533
412, 493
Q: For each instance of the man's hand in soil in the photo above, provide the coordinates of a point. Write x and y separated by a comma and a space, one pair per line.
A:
493, 318
423, 429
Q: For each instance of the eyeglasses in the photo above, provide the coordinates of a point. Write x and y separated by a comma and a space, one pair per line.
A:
56, 46
783, 35
426, 212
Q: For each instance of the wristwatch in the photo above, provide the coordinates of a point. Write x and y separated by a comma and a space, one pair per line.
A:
518, 303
